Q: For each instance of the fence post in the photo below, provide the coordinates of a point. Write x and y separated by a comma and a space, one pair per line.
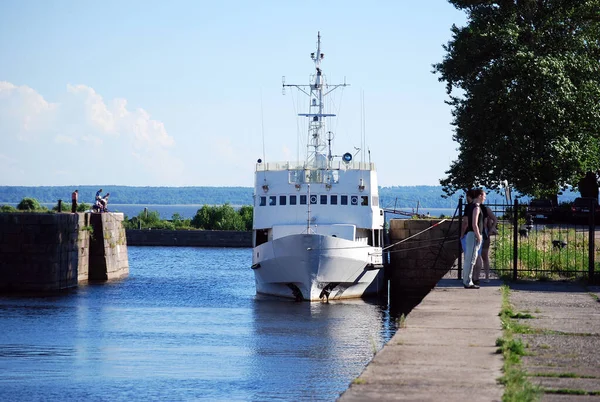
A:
591, 238
515, 238
460, 250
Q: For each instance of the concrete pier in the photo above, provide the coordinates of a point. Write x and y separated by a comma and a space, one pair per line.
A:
108, 247
444, 351
189, 238
42, 252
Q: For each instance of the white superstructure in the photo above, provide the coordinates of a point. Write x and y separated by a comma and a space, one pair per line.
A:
318, 228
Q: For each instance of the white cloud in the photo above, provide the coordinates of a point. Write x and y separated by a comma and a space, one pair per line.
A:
24, 112
64, 139
82, 129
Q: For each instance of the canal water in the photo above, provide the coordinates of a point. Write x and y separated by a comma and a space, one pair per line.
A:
185, 325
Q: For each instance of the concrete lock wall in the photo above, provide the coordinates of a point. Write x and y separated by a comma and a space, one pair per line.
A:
189, 238
49, 252
108, 247
83, 247
416, 265
38, 252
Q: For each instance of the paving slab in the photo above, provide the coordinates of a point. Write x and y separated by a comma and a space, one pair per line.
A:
566, 320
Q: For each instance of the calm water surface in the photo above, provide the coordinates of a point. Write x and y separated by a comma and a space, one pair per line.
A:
185, 325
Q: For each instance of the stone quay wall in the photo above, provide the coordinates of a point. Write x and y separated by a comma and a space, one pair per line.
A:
108, 257
38, 252
83, 247
416, 265
42, 252
189, 238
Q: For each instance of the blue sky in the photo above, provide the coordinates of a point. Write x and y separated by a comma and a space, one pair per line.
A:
185, 93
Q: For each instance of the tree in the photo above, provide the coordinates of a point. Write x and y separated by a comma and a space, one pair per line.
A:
30, 204
247, 214
223, 217
527, 73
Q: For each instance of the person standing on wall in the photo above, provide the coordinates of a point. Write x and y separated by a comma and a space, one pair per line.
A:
473, 238
74, 199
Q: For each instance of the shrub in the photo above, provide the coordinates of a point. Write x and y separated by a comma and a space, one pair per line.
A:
30, 204
7, 208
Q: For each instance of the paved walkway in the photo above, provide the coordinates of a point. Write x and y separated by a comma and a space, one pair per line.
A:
446, 351
563, 350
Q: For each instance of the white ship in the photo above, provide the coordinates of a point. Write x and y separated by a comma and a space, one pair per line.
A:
318, 227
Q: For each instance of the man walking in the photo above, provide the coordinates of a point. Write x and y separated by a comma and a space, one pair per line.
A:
74, 199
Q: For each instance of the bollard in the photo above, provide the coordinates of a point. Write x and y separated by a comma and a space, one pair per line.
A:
59, 206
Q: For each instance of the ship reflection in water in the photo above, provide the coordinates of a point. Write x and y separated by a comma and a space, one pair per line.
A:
185, 325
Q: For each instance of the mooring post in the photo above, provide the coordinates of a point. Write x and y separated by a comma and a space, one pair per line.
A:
59, 206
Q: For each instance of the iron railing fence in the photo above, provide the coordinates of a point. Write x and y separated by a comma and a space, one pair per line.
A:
528, 246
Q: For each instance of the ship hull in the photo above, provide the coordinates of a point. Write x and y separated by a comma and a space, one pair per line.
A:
316, 267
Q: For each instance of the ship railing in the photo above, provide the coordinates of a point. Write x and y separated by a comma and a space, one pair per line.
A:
302, 166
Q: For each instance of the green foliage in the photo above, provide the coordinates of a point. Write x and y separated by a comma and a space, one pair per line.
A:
7, 209
66, 207
222, 217
30, 204
517, 386
180, 222
83, 207
149, 220
247, 214
522, 78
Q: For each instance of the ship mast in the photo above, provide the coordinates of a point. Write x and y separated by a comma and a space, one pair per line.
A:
317, 144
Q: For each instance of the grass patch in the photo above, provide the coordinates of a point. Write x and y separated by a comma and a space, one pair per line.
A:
594, 296
522, 316
358, 381
517, 386
566, 391
561, 375
401, 321
538, 257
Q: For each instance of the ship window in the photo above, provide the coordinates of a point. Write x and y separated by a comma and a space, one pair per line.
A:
273, 200
313, 199
364, 200
302, 200
282, 199
354, 200
333, 200
323, 199
344, 200
263, 201
292, 200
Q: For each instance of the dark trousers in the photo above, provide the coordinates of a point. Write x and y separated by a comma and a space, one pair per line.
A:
73, 206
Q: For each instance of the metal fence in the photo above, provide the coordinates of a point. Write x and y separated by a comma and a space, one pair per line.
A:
559, 246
